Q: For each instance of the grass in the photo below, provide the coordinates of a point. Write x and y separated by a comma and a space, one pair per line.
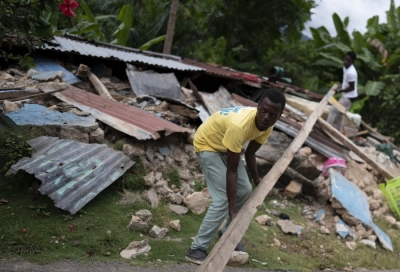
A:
33, 229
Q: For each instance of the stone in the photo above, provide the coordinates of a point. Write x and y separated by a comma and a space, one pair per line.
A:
74, 134
159, 156
189, 149
184, 174
372, 238
150, 154
196, 202
206, 193
169, 160
287, 226
263, 219
48, 76
178, 198
238, 258
360, 227
306, 151
145, 215
377, 213
369, 190
152, 198
179, 155
158, 176
175, 225
137, 224
96, 136
368, 243
390, 219
186, 189
374, 204
9, 106
178, 209
157, 232
397, 225
378, 195
6, 77
134, 150
135, 248
349, 219
293, 189
277, 242
324, 230
351, 245
190, 138
149, 179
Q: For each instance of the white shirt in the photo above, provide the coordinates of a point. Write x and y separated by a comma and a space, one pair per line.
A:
350, 75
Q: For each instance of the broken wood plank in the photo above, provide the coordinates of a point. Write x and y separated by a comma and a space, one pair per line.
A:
350, 145
363, 132
34, 95
221, 252
98, 85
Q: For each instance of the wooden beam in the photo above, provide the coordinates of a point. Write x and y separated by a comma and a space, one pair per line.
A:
221, 252
350, 145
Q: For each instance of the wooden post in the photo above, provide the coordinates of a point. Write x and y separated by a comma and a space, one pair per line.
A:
350, 145
171, 27
221, 252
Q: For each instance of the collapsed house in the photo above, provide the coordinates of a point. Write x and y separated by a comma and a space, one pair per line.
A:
83, 93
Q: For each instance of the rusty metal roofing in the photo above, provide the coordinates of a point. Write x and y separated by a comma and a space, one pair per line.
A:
128, 119
85, 47
73, 173
222, 71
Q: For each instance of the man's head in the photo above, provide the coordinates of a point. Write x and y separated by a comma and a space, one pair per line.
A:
269, 108
349, 59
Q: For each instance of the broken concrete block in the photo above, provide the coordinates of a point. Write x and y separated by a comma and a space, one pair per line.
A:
324, 230
96, 136
149, 179
293, 189
175, 224
152, 198
184, 174
178, 209
263, 219
238, 258
165, 151
159, 156
135, 248
6, 77
158, 176
150, 154
196, 202
368, 243
48, 76
206, 193
134, 150
277, 242
9, 106
390, 219
157, 232
145, 215
137, 224
287, 226
351, 245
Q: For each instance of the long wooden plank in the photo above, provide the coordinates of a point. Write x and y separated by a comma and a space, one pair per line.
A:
350, 145
221, 252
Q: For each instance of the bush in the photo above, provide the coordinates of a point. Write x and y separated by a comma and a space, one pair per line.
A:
133, 178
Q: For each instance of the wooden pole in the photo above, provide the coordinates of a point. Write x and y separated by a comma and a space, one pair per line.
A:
171, 27
221, 252
350, 145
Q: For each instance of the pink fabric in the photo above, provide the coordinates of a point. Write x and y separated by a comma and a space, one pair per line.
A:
338, 163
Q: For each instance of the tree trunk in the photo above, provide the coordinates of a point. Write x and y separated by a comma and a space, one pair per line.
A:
171, 27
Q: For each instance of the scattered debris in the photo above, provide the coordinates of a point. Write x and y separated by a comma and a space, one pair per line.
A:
293, 189
175, 224
137, 223
263, 219
178, 209
145, 215
196, 202
135, 249
238, 258
288, 226
157, 232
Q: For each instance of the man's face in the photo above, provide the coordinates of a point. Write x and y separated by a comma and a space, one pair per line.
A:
347, 61
267, 114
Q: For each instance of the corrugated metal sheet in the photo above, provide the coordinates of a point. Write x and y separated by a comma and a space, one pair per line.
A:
225, 72
154, 84
128, 119
108, 51
73, 173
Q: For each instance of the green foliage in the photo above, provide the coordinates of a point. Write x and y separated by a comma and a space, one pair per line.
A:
154, 41
13, 147
373, 88
174, 178
40, 209
119, 145
133, 178
122, 33
199, 185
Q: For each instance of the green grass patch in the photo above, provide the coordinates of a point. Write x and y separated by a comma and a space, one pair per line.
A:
173, 175
133, 178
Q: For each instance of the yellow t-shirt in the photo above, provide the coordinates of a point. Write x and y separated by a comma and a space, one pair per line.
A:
229, 129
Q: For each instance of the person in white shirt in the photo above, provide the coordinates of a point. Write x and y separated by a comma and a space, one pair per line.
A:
349, 90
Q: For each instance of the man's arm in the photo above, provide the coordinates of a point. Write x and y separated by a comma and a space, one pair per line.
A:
250, 156
348, 89
231, 181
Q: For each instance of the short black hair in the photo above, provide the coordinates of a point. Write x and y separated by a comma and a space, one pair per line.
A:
352, 55
274, 95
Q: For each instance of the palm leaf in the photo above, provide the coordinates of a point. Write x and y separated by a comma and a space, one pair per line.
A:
373, 88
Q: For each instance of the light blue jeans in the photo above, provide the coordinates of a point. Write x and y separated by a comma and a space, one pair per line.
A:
335, 114
213, 166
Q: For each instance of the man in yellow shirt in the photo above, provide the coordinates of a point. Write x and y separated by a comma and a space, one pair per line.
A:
218, 143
